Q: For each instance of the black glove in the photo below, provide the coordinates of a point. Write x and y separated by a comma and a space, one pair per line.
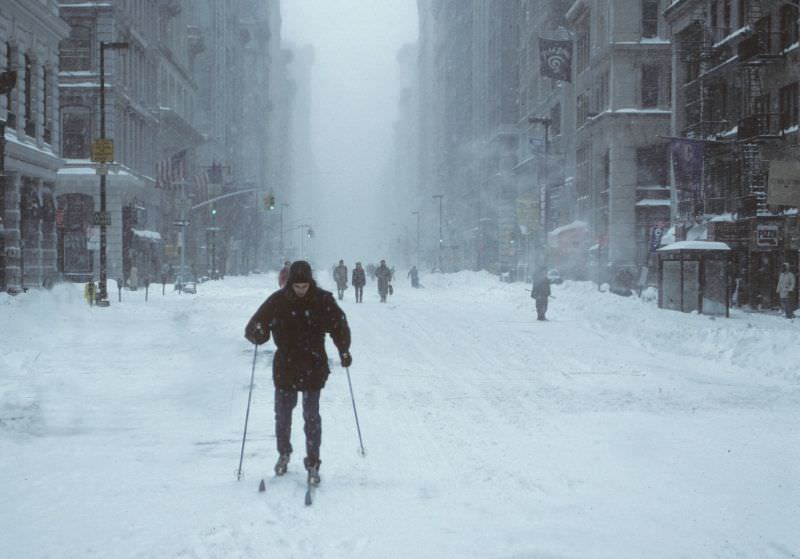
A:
346, 358
255, 333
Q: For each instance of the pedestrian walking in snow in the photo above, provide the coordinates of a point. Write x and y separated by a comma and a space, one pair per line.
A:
340, 277
359, 280
414, 275
283, 275
785, 288
541, 292
371, 271
298, 317
384, 275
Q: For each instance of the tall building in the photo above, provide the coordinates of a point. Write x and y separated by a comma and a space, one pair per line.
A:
623, 110
30, 32
736, 69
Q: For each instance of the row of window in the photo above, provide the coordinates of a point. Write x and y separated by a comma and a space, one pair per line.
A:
34, 82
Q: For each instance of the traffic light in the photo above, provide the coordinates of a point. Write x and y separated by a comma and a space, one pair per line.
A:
213, 210
310, 233
270, 202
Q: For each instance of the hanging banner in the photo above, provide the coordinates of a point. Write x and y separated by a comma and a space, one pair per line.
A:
783, 184
555, 59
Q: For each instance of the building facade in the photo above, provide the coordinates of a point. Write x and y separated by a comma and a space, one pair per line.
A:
30, 32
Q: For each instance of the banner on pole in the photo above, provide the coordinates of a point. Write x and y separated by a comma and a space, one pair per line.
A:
555, 59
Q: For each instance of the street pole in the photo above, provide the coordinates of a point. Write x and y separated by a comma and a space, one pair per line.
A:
417, 214
441, 240
103, 296
283, 254
544, 191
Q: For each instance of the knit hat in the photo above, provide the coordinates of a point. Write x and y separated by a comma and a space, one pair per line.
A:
300, 272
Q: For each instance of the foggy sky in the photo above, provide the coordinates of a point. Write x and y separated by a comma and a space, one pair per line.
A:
354, 93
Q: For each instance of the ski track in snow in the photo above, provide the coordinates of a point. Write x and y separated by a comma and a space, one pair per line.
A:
613, 430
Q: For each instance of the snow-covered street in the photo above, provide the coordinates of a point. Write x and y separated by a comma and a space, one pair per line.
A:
615, 430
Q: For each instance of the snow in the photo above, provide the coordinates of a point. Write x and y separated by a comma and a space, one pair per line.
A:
614, 430
654, 202
145, 234
695, 245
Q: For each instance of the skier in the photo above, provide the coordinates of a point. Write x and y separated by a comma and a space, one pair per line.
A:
298, 317
359, 279
384, 275
784, 289
283, 275
414, 275
340, 277
541, 291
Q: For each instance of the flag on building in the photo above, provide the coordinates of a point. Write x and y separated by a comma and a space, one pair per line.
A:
200, 184
687, 163
171, 170
555, 59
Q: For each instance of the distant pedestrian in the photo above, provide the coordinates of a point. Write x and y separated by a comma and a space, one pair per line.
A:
283, 275
340, 277
384, 275
541, 292
298, 317
414, 275
359, 279
371, 271
785, 287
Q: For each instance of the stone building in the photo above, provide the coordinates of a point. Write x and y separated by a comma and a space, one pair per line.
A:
736, 69
30, 32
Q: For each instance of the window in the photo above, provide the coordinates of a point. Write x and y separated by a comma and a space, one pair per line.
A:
9, 66
29, 125
582, 180
789, 106
726, 17
582, 108
649, 18
601, 93
650, 85
76, 132
790, 33
555, 119
742, 13
583, 45
714, 9
652, 165
76, 52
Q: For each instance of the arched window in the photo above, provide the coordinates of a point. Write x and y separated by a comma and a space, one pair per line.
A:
76, 50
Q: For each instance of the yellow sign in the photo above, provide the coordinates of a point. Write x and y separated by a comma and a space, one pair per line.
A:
103, 150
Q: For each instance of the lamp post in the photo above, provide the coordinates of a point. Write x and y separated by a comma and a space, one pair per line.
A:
544, 189
417, 214
103, 295
441, 240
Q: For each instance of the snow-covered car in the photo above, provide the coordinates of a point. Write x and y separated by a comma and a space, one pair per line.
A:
190, 287
553, 276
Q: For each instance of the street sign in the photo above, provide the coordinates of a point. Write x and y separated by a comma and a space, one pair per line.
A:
93, 238
181, 223
102, 218
103, 150
213, 228
59, 218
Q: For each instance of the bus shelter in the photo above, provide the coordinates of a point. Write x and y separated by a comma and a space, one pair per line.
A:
695, 276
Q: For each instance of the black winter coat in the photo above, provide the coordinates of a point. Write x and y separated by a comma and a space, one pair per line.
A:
541, 289
298, 327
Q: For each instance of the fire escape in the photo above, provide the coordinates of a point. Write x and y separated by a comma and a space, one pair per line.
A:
757, 54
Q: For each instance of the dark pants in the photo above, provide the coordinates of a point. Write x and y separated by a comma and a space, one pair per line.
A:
340, 289
359, 293
786, 303
541, 308
285, 401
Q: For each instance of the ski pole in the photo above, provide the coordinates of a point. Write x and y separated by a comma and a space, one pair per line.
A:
355, 413
247, 414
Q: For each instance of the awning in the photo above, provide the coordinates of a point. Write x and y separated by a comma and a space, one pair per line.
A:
145, 235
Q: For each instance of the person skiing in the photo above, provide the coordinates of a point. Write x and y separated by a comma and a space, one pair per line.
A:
414, 275
340, 277
541, 292
359, 280
384, 275
283, 275
784, 289
298, 317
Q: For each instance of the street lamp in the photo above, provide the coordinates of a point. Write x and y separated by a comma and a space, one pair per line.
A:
544, 188
441, 240
103, 217
417, 214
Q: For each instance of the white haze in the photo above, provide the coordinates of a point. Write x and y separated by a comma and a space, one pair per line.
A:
354, 92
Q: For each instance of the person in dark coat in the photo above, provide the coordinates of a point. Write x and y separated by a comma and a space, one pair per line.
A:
384, 275
541, 292
298, 317
340, 277
414, 275
359, 280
